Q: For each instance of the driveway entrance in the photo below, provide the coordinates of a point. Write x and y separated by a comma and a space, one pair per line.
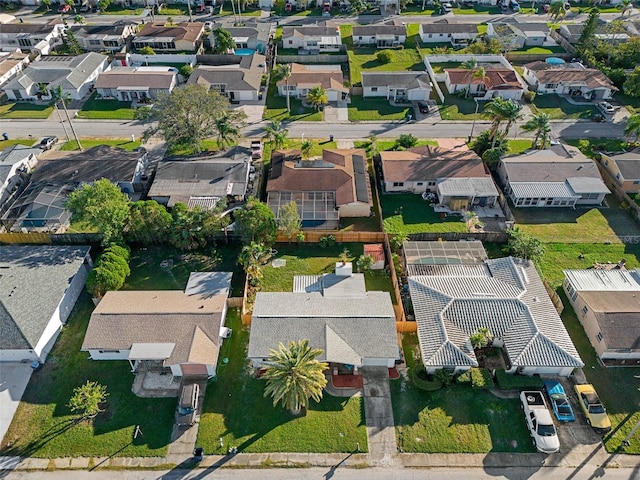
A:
14, 377
379, 415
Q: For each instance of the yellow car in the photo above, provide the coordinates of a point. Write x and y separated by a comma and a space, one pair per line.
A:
592, 408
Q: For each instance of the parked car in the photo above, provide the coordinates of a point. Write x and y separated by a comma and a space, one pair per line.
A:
606, 107
423, 107
592, 408
598, 117
188, 405
208, 25
515, 6
539, 422
256, 149
559, 402
64, 8
446, 7
47, 143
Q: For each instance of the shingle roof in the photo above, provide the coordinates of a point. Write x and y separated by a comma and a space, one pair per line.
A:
409, 80
16, 153
550, 165
471, 28
310, 31
307, 76
510, 300
187, 31
135, 77
367, 30
33, 281
570, 74
239, 72
8, 61
628, 163
32, 28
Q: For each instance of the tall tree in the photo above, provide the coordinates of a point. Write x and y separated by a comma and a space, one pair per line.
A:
632, 83
481, 338
193, 229
471, 66
587, 36
277, 135
148, 223
317, 97
289, 220
283, 72
557, 11
294, 375
306, 148
539, 124
70, 43
224, 41
101, 205
512, 113
186, 116
229, 126
495, 111
626, 7
256, 222
87, 399
632, 128
524, 246
271, 130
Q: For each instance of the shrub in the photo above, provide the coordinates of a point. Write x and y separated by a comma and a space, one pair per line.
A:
529, 96
406, 140
464, 377
481, 378
444, 377
327, 241
508, 381
385, 56
424, 381
110, 271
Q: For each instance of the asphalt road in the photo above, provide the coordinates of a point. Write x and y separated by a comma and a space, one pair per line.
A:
549, 473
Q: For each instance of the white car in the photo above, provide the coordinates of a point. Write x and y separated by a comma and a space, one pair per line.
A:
606, 107
208, 26
446, 7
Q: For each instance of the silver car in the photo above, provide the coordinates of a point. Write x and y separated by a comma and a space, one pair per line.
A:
188, 405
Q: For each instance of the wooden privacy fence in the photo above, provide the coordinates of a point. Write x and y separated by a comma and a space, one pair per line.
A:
45, 238
314, 236
555, 298
498, 237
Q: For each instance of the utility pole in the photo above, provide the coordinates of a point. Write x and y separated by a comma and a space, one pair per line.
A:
73, 130
66, 133
189, 7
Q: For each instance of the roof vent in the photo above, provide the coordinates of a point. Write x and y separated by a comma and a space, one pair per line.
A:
536, 299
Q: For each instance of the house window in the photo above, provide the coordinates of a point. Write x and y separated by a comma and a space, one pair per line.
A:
448, 35
551, 85
111, 43
24, 42
584, 310
636, 182
429, 36
94, 42
599, 336
359, 38
290, 42
563, 203
398, 184
589, 196
419, 184
431, 184
618, 176
374, 89
108, 351
606, 162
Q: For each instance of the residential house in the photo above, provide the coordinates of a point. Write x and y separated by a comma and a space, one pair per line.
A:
572, 32
573, 79
305, 77
325, 190
396, 86
202, 180
174, 331
515, 36
37, 37
12, 63
379, 35
237, 77
458, 34
101, 38
624, 168
607, 303
313, 39
183, 37
560, 176
136, 84
253, 36
353, 328
39, 287
75, 75
41, 206
16, 162
497, 82
453, 300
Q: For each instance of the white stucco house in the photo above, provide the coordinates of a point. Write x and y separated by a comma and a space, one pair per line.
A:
573, 79
39, 286
497, 82
380, 36
305, 77
396, 86
312, 38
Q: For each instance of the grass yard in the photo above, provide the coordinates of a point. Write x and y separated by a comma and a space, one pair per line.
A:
124, 143
409, 213
560, 109
457, 419
384, 145
519, 145
364, 59
363, 109
118, 9
456, 107
631, 103
276, 108
236, 411
591, 145
16, 141
582, 225
539, 50
476, 9
22, 110
208, 145
96, 108
416, 9
43, 426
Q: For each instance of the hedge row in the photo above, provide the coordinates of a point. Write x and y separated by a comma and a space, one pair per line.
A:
518, 382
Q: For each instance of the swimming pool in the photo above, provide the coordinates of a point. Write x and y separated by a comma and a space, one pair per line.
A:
244, 51
554, 61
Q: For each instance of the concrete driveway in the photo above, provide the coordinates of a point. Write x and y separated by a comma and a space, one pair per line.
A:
14, 377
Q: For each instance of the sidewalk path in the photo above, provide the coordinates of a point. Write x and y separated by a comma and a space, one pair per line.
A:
379, 416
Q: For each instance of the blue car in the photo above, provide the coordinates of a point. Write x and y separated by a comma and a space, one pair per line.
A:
559, 402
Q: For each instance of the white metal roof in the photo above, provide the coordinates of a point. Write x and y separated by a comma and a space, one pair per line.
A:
541, 190
587, 185
602, 280
151, 351
467, 187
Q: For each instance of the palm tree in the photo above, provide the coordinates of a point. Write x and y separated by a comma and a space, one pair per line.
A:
626, 6
228, 130
280, 139
632, 129
283, 72
557, 11
495, 111
481, 338
470, 65
294, 375
512, 113
306, 148
317, 97
58, 95
270, 131
540, 125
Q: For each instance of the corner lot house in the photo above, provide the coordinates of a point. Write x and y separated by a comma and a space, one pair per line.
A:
458, 34
100, 38
236, 77
39, 38
607, 303
201, 181
497, 82
396, 86
624, 168
184, 37
15, 163
325, 190
379, 36
170, 330
572, 79
334, 312
312, 39
39, 287
76, 76
136, 84
558, 177
454, 300
305, 77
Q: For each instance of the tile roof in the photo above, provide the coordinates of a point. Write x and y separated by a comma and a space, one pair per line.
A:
308, 76
187, 31
495, 78
135, 77
428, 162
570, 74
237, 72
510, 300
33, 281
408, 80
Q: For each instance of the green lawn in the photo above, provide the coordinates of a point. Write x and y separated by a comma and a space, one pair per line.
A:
457, 419
113, 9
593, 145
22, 110
16, 141
384, 145
409, 213
364, 59
416, 9
236, 411
44, 427
582, 225
124, 143
209, 145
440, 67
95, 108
476, 9
559, 109
539, 50
276, 108
363, 109
456, 107
318, 145
519, 145
631, 103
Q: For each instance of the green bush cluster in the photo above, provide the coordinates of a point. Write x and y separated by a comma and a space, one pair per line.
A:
327, 241
110, 271
385, 56
477, 378
421, 380
518, 382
